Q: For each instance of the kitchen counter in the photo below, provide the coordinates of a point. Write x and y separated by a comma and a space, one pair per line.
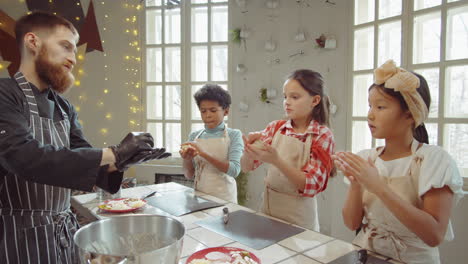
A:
308, 247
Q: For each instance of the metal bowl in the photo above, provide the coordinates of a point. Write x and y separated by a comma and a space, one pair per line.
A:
131, 239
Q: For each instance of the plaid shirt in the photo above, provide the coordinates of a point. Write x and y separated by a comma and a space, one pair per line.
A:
315, 170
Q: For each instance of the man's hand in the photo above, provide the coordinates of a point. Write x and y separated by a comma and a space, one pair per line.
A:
134, 143
146, 155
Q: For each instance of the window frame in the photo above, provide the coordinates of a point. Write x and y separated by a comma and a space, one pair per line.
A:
406, 57
186, 44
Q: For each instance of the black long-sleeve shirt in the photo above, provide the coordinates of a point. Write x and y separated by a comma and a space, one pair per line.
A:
77, 167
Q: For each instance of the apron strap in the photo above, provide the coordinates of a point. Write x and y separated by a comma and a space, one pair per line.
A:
415, 166
28, 93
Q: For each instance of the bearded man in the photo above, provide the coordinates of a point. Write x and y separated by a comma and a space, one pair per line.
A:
43, 153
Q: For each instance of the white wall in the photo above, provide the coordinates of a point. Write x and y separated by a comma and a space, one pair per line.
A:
317, 19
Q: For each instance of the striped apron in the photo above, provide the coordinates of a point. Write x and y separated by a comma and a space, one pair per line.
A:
36, 224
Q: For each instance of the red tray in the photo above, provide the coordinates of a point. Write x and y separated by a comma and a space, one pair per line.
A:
105, 207
226, 250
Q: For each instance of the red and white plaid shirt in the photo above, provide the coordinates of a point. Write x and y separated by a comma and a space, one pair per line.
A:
315, 170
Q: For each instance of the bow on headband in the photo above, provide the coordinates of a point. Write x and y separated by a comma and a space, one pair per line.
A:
406, 83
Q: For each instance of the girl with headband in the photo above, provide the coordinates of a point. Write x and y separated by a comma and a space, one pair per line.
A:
400, 195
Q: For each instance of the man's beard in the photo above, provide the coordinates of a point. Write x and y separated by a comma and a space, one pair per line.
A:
53, 74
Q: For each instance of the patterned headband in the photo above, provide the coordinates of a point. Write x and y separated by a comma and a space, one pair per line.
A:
406, 83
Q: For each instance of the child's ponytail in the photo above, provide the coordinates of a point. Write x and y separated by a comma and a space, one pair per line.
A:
420, 134
321, 112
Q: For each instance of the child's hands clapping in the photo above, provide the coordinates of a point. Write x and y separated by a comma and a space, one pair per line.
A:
359, 171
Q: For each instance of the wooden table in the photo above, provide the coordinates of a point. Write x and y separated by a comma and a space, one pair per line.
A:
308, 247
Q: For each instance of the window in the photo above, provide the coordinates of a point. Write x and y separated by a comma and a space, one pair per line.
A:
186, 46
429, 37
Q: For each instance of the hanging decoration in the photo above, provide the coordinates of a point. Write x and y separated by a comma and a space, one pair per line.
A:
325, 42
8, 48
70, 9
89, 32
240, 36
300, 35
272, 4
270, 45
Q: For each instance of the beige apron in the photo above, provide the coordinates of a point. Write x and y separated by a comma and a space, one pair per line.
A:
208, 178
382, 232
281, 198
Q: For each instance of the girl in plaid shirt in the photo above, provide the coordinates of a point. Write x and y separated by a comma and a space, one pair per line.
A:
298, 150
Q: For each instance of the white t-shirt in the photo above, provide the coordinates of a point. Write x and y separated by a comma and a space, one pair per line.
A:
438, 169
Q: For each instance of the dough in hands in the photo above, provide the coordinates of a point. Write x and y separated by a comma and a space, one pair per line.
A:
258, 144
185, 147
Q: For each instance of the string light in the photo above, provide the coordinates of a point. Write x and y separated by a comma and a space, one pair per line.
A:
104, 131
132, 64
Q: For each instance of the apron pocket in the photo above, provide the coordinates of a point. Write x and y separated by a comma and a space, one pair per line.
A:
39, 243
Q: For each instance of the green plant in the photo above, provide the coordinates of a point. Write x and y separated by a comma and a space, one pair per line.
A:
263, 96
236, 35
241, 181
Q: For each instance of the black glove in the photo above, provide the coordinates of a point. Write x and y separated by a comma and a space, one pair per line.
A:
133, 144
146, 155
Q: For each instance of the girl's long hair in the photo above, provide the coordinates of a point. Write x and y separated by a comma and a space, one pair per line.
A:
313, 83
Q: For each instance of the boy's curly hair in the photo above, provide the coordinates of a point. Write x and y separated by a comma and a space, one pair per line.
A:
213, 92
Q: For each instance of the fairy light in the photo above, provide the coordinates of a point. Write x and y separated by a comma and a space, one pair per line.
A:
131, 59
104, 131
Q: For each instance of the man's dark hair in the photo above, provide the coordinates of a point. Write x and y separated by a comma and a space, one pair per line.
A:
213, 92
39, 20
